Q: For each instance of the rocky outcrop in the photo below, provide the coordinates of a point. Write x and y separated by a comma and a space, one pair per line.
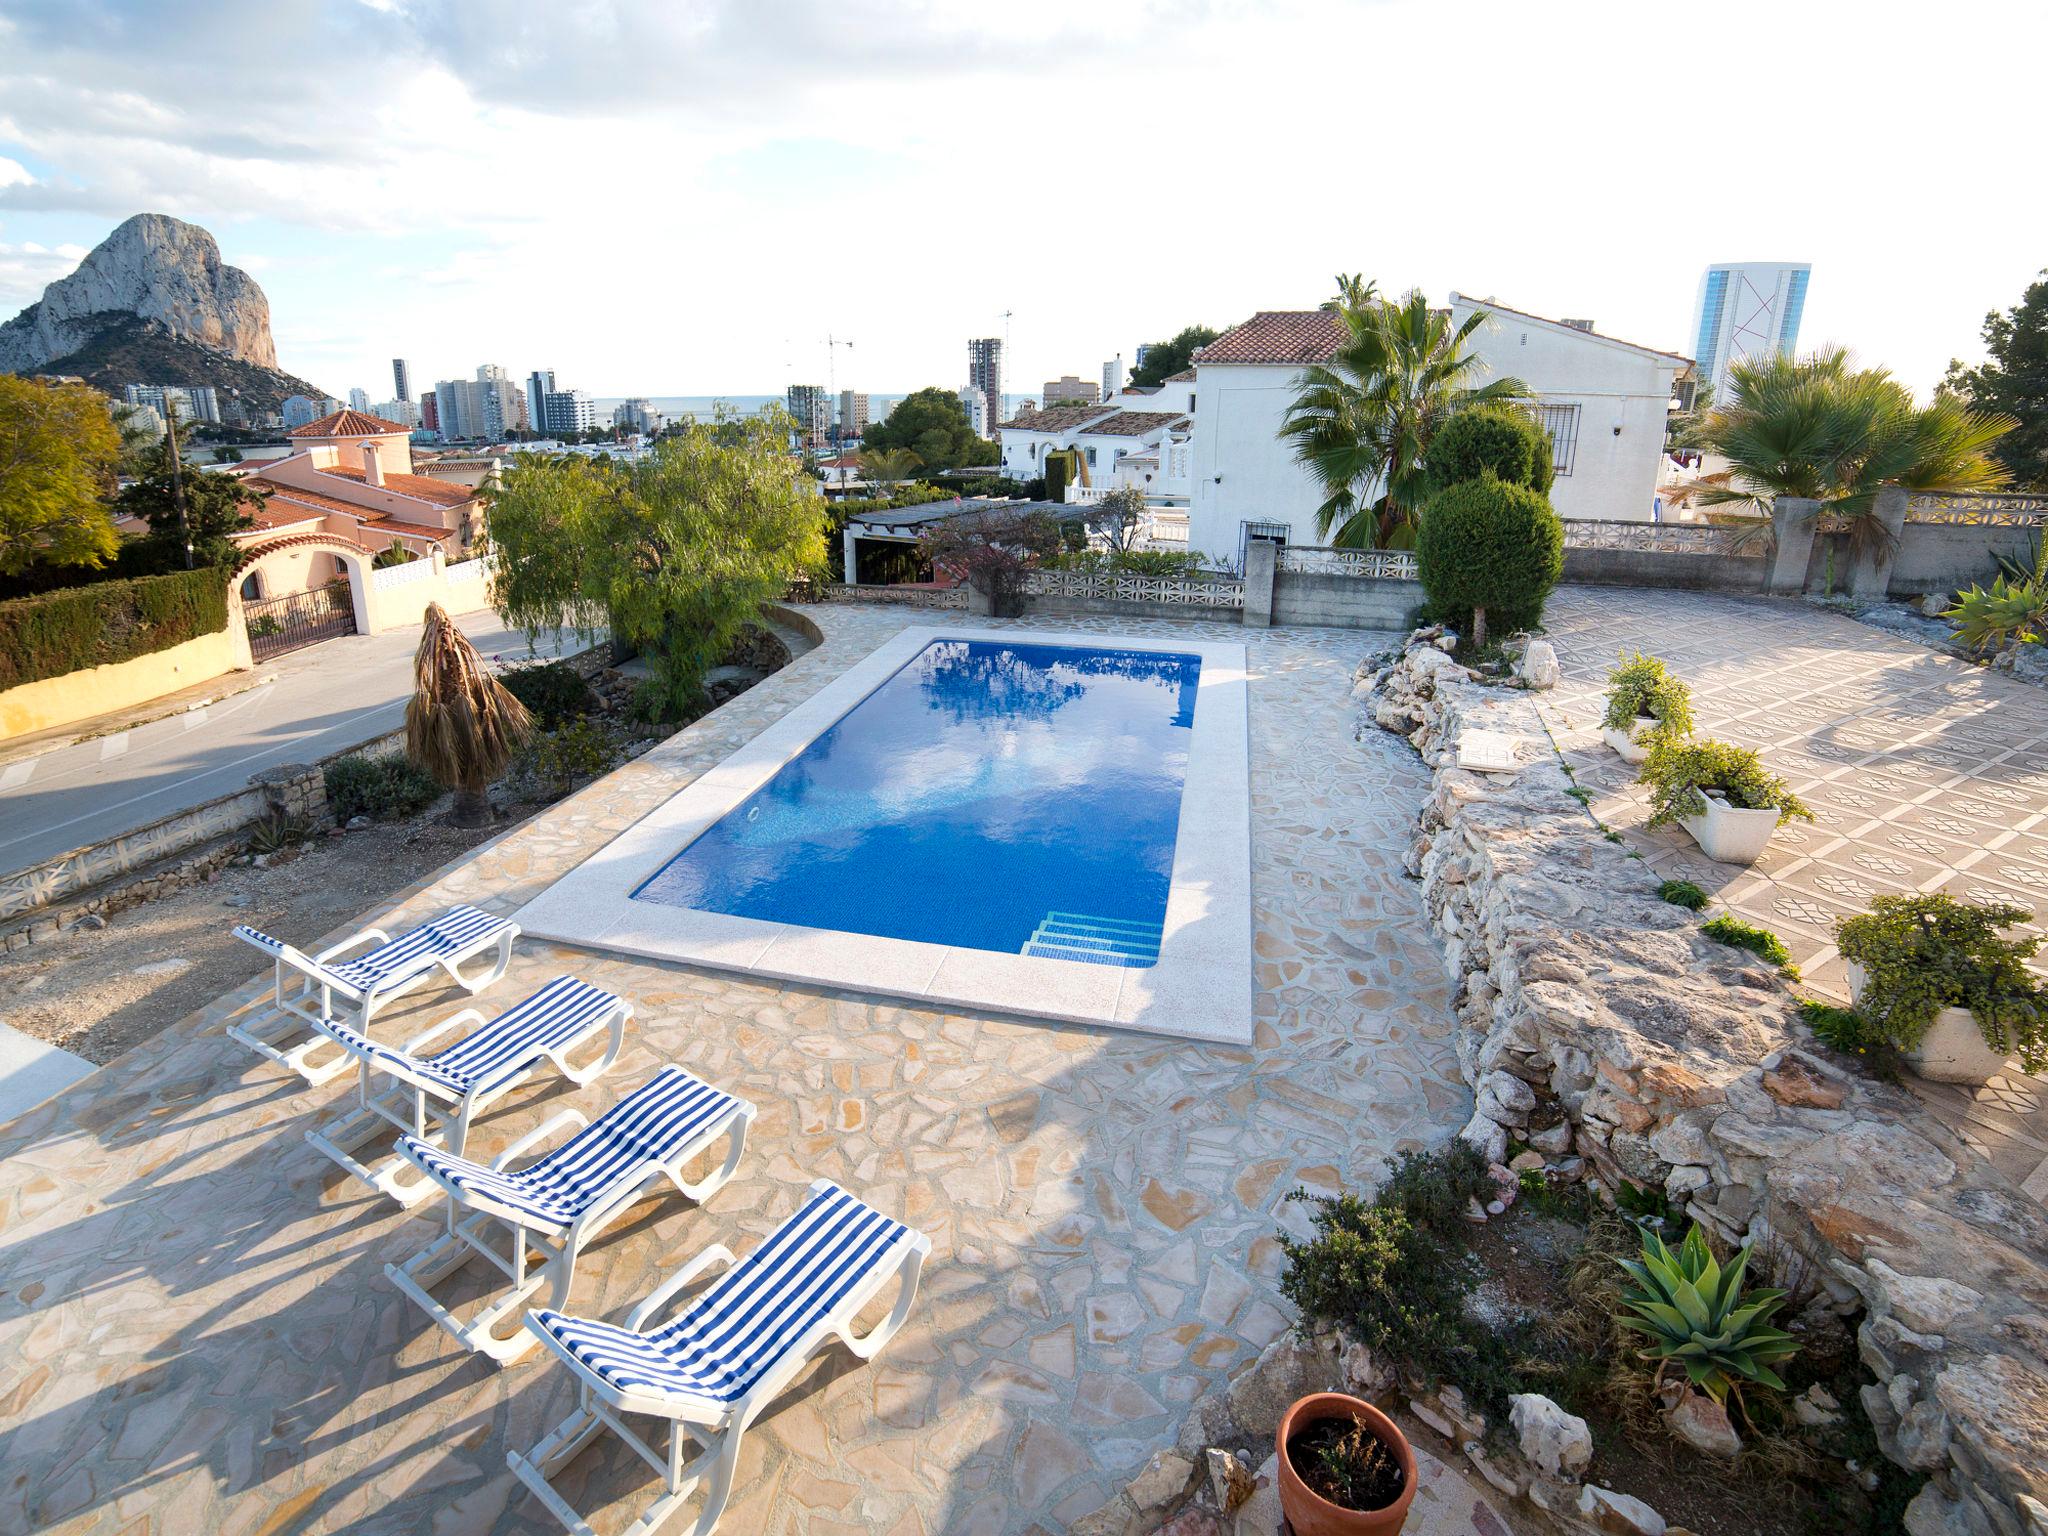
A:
1678, 1064
155, 269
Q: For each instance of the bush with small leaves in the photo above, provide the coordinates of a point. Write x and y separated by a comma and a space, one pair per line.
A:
1740, 935
1681, 774
1921, 954
1501, 440
553, 692
1641, 688
1683, 893
1489, 551
377, 787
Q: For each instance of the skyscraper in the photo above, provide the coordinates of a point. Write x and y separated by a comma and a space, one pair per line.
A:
975, 404
853, 413
539, 385
812, 408
401, 378
985, 373
1113, 376
1746, 309
359, 399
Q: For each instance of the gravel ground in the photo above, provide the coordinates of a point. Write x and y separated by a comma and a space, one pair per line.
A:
98, 991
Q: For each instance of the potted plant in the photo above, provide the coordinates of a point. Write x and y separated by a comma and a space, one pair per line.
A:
1345, 1468
1721, 794
1644, 701
1933, 976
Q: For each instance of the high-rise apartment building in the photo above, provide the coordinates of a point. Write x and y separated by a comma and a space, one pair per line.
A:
853, 413
812, 408
975, 404
539, 385
985, 373
359, 399
1113, 377
191, 402
1068, 389
430, 411
1746, 309
638, 415
564, 411
401, 378
460, 409
491, 373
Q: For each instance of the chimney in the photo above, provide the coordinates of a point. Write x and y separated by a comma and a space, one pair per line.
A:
1578, 325
373, 468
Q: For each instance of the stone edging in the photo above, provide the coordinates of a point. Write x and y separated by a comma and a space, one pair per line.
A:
1584, 1001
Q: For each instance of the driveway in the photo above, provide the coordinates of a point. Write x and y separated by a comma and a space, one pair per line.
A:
324, 699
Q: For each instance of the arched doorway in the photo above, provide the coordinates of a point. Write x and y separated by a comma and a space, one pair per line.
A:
313, 581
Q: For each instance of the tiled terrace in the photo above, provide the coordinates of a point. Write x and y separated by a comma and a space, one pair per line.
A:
198, 1336
1924, 773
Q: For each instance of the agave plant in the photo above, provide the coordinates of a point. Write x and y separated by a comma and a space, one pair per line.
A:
1695, 1313
2007, 616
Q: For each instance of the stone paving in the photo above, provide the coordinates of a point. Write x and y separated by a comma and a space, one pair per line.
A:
198, 1336
1925, 773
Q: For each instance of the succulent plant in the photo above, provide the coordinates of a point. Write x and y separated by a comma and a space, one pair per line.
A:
1695, 1313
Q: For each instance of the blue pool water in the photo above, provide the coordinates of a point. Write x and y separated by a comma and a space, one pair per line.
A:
991, 795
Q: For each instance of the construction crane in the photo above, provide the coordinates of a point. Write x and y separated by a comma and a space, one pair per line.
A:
832, 346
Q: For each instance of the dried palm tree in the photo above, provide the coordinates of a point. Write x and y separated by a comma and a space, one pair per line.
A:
461, 725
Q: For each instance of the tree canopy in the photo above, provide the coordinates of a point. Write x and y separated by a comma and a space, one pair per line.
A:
2013, 381
933, 424
1163, 359
58, 449
216, 506
674, 552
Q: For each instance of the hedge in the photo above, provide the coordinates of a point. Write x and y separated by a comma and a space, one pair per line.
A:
78, 627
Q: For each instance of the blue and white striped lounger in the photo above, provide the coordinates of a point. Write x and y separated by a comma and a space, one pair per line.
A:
726, 1355
450, 1088
310, 988
559, 1203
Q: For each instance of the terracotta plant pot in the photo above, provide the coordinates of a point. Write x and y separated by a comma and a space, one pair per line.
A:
1308, 1512
1952, 1050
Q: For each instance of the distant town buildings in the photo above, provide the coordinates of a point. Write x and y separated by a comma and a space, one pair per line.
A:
811, 405
975, 403
430, 412
565, 412
1144, 351
638, 415
401, 378
191, 402
853, 413
1113, 377
985, 373
302, 410
1746, 309
359, 399
539, 385
405, 412
1068, 389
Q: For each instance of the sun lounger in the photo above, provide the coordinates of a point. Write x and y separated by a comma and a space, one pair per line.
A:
560, 1202
434, 1098
727, 1353
310, 988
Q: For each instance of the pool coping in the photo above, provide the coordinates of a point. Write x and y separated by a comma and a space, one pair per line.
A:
1201, 987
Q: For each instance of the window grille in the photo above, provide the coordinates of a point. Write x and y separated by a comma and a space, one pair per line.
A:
1562, 423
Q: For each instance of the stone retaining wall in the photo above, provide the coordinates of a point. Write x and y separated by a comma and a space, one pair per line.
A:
1679, 1064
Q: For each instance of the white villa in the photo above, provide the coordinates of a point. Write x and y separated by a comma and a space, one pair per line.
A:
1207, 439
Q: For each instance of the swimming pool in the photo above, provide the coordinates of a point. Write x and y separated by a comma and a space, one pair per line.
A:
1047, 823
993, 794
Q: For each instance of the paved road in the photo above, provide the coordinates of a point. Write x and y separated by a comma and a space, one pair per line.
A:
326, 698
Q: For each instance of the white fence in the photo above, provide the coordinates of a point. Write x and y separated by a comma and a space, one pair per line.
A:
1127, 587
390, 577
469, 570
904, 597
1668, 538
1992, 510
1374, 564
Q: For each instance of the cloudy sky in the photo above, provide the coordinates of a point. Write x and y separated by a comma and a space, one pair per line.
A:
688, 196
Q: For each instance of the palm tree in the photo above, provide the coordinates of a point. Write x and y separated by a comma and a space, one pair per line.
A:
461, 724
1360, 422
886, 466
1821, 429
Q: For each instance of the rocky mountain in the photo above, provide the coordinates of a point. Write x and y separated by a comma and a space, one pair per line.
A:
153, 304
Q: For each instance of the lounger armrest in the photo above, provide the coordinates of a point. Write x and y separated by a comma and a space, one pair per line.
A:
643, 1314
427, 1036
368, 935
537, 1135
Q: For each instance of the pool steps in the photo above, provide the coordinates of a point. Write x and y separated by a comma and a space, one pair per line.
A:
1094, 940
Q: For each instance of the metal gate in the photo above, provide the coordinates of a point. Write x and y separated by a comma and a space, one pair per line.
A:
281, 624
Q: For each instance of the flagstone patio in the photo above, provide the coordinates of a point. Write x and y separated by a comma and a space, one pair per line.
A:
198, 1335
1924, 773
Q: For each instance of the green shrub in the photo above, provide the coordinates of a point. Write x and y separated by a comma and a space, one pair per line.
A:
1641, 688
553, 692
1740, 935
554, 760
394, 553
1921, 954
2007, 614
1683, 893
63, 631
1138, 562
378, 787
1490, 550
1490, 439
1680, 773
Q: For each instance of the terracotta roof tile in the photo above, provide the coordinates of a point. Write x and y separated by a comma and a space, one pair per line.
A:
1136, 423
349, 423
418, 487
1185, 376
1289, 337
1057, 418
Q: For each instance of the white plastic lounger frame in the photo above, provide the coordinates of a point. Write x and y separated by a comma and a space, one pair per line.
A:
310, 988
434, 1098
559, 1203
724, 1357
